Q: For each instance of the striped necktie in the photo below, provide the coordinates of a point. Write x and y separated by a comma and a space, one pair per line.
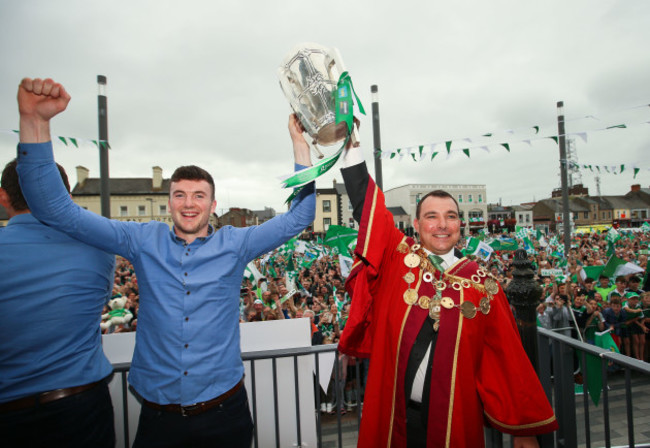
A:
437, 261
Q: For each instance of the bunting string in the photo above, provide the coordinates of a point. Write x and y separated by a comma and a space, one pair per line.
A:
75, 142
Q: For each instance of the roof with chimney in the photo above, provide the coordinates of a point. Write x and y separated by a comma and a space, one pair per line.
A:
119, 186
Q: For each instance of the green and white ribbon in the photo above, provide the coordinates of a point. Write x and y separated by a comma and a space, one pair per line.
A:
344, 112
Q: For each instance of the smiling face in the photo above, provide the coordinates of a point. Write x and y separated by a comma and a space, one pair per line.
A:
191, 204
438, 224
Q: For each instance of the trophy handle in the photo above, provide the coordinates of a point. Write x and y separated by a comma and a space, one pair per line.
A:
314, 147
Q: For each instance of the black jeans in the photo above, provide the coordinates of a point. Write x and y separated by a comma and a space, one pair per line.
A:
81, 420
226, 425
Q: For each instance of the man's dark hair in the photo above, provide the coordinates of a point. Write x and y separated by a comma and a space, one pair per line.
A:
437, 194
634, 279
192, 172
9, 182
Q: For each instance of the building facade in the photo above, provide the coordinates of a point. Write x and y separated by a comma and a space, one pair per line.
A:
472, 200
132, 199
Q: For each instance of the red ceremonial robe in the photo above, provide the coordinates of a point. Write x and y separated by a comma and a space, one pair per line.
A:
481, 374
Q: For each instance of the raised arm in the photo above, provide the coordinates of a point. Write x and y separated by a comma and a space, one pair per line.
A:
280, 229
38, 102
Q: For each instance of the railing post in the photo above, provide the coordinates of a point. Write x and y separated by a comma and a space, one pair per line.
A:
523, 294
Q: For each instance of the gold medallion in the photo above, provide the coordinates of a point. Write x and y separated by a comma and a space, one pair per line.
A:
435, 315
412, 260
491, 286
484, 305
468, 309
424, 302
410, 296
409, 277
447, 302
402, 248
436, 325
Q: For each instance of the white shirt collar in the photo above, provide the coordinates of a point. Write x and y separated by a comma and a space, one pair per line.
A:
448, 259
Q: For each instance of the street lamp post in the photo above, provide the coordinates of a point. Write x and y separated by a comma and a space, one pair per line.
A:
102, 112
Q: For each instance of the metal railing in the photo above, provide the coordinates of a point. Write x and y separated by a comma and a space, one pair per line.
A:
253, 358
559, 356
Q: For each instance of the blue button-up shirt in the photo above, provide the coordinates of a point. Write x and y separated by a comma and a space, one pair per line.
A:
187, 344
52, 290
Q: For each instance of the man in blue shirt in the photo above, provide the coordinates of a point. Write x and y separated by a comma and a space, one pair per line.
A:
52, 366
187, 361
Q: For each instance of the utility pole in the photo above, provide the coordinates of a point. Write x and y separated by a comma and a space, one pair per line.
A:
376, 137
102, 113
566, 217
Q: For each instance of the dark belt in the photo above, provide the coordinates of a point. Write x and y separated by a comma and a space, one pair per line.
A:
45, 397
196, 408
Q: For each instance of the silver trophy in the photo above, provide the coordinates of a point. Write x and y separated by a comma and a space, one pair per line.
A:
308, 77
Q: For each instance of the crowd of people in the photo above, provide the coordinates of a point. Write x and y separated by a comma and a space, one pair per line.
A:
570, 303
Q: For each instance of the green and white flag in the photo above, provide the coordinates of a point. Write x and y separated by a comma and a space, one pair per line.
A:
616, 266
593, 367
612, 237
521, 232
340, 237
251, 272
346, 265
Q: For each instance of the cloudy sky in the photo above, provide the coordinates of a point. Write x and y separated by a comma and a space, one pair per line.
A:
195, 83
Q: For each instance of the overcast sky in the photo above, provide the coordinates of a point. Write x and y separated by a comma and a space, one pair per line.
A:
195, 83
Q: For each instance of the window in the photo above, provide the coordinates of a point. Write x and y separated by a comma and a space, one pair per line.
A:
141, 211
162, 209
124, 211
528, 217
480, 198
350, 204
418, 196
586, 215
469, 198
460, 198
521, 218
326, 223
327, 205
351, 223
